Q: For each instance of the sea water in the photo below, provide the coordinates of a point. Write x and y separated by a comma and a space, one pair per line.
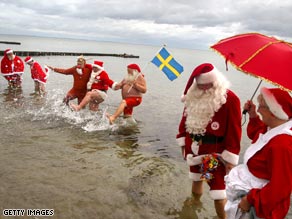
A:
75, 164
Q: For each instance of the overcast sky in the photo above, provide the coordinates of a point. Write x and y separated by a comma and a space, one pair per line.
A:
189, 24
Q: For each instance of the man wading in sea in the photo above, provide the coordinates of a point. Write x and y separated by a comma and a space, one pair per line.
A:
210, 132
81, 74
133, 87
97, 88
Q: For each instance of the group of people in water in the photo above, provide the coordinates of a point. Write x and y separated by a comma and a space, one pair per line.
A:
90, 83
209, 132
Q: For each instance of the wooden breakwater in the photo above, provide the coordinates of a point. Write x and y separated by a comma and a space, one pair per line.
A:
41, 53
9, 42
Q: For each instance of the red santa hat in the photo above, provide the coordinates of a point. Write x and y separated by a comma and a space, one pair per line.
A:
98, 64
278, 101
7, 51
28, 59
135, 67
203, 74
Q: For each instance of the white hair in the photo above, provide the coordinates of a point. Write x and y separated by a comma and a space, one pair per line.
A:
201, 105
132, 77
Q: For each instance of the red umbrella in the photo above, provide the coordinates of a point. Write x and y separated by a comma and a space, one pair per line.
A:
264, 57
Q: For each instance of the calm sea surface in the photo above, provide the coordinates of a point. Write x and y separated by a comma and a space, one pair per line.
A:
78, 165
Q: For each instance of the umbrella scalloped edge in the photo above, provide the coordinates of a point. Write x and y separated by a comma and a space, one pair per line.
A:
249, 73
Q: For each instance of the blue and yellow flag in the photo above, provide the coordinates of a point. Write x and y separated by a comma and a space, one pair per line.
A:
165, 62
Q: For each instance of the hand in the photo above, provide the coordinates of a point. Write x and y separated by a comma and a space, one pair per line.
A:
228, 167
50, 67
251, 109
244, 205
130, 83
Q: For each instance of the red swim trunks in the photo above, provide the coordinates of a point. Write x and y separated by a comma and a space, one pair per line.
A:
131, 103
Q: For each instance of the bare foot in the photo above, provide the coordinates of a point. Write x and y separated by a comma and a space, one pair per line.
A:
110, 118
74, 107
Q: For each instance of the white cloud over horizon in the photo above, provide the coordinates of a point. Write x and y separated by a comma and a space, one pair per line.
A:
183, 24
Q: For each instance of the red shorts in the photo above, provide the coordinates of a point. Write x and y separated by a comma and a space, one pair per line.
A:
131, 103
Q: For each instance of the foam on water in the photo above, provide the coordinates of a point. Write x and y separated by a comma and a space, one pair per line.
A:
52, 108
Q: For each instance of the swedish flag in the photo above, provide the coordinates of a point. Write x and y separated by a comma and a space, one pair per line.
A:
165, 62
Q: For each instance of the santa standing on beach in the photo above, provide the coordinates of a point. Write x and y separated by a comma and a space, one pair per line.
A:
210, 130
12, 68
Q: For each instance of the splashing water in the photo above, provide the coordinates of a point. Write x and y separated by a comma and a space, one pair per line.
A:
98, 124
52, 109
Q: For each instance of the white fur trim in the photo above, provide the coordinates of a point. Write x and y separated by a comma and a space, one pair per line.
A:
13, 73
195, 148
181, 141
195, 176
27, 61
273, 104
98, 66
47, 71
40, 81
207, 77
114, 85
194, 160
9, 51
218, 194
230, 157
183, 98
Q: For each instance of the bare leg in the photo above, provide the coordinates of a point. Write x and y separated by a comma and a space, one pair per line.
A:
219, 207
83, 103
42, 88
118, 112
36, 87
197, 191
91, 95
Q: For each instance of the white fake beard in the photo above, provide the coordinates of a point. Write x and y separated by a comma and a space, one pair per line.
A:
79, 71
11, 58
201, 106
131, 77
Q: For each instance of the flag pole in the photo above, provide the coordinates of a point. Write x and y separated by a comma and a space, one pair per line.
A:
145, 66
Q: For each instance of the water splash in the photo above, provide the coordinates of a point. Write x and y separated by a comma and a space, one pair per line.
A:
52, 109
100, 123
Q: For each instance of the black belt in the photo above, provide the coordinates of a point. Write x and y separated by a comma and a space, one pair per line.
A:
207, 139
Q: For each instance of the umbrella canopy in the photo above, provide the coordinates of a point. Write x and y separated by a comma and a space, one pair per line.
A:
264, 57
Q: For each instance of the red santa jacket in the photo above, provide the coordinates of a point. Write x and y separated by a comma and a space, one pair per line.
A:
273, 162
225, 124
37, 73
80, 80
12, 69
100, 81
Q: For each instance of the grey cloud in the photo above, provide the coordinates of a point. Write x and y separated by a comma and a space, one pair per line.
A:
148, 21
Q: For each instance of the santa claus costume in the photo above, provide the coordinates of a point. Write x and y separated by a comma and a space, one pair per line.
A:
210, 126
37, 73
97, 87
81, 77
99, 80
12, 68
266, 173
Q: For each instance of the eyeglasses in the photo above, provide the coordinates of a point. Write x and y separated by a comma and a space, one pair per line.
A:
205, 86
